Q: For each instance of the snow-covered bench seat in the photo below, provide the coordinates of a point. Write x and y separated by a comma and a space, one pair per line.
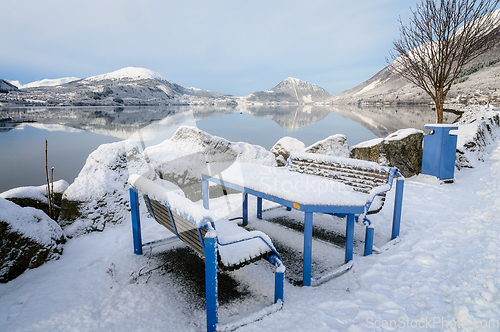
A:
219, 241
311, 192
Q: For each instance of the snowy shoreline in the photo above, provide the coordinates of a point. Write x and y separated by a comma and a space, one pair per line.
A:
441, 275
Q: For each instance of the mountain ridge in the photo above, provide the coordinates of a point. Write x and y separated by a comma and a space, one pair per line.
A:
477, 83
134, 86
290, 90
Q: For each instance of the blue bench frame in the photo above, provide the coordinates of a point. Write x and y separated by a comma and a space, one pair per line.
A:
210, 251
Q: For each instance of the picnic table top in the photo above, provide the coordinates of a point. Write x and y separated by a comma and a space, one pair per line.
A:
288, 185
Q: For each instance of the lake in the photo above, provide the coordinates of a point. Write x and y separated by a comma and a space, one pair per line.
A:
74, 132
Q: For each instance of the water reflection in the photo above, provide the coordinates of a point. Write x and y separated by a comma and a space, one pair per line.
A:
122, 122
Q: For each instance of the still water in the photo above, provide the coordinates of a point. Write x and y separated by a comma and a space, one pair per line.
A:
74, 132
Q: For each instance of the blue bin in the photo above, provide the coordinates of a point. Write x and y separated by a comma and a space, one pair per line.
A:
440, 149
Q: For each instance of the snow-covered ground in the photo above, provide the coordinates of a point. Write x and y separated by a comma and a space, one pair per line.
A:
441, 276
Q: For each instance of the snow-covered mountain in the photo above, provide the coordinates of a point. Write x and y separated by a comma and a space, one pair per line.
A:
134, 86
127, 86
128, 73
477, 83
291, 90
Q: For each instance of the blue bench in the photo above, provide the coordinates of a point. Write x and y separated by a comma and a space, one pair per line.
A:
315, 183
221, 242
363, 176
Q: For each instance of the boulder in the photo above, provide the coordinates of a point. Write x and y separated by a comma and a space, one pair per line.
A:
182, 158
335, 145
28, 238
284, 147
36, 197
402, 149
100, 195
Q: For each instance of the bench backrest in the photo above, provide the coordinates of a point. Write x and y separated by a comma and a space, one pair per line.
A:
359, 178
362, 176
177, 224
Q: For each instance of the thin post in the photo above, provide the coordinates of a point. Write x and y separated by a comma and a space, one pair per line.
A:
205, 192
259, 207
306, 273
349, 237
136, 221
398, 206
245, 209
49, 195
211, 282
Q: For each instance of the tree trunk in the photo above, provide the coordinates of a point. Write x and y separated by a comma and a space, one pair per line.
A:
439, 111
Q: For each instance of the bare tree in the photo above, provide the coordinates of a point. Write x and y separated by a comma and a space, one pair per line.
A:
442, 37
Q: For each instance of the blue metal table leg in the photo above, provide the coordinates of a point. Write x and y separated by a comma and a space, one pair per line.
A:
259, 207
306, 273
398, 205
245, 209
205, 193
369, 241
136, 221
349, 238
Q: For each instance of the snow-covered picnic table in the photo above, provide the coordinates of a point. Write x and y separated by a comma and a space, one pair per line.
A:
294, 190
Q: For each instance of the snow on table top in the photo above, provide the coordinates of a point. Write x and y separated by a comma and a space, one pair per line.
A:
292, 186
252, 244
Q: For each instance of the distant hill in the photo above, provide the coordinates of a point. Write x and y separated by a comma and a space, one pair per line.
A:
478, 82
291, 90
6, 87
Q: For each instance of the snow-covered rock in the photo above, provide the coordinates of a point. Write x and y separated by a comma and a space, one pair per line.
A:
99, 195
36, 197
28, 238
402, 149
284, 147
478, 130
335, 145
182, 158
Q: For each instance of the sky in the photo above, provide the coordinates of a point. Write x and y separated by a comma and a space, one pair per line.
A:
233, 47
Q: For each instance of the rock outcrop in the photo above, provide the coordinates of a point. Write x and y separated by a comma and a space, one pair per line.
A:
182, 158
99, 195
402, 149
28, 238
36, 197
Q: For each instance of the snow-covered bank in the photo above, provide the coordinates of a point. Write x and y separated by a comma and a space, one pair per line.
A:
442, 275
